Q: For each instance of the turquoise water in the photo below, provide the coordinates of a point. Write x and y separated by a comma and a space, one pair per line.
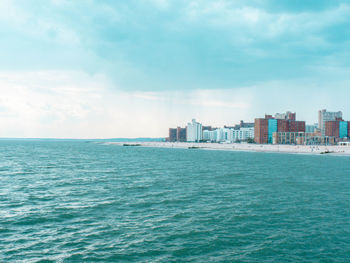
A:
86, 202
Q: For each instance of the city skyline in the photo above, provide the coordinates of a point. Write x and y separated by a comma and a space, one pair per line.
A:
96, 69
280, 128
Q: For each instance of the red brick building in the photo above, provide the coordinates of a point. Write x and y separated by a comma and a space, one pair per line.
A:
332, 128
177, 134
181, 134
172, 135
261, 131
289, 124
291, 116
296, 126
282, 125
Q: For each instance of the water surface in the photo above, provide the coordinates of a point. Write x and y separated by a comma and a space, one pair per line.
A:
71, 201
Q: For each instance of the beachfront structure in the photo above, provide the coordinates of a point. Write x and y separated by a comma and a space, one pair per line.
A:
177, 134
339, 129
228, 135
243, 134
209, 136
194, 132
181, 134
266, 127
217, 135
302, 138
172, 135
324, 116
221, 135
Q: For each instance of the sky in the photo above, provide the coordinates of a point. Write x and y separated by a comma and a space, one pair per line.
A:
109, 69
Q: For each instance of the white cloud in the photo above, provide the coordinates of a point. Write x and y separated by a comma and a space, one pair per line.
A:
73, 104
248, 20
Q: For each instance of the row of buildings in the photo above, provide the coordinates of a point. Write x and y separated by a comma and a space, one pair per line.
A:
283, 128
196, 132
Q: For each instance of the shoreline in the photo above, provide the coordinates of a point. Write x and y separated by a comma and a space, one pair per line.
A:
245, 147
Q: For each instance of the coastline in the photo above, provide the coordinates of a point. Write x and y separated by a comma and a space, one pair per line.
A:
245, 147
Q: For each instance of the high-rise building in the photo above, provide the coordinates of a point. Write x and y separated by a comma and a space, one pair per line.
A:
324, 116
266, 127
338, 129
172, 135
194, 131
261, 131
177, 134
180, 134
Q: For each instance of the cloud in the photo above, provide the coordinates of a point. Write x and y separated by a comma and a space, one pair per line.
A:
157, 45
73, 104
133, 68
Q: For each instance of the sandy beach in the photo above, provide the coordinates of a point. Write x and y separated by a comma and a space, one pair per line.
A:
301, 149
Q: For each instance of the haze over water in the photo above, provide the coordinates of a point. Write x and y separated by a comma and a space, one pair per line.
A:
77, 201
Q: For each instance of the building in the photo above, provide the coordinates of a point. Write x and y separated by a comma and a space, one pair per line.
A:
286, 116
261, 131
302, 138
311, 128
228, 135
206, 135
324, 116
242, 124
177, 134
172, 135
222, 135
208, 128
287, 137
265, 127
180, 134
194, 132
339, 129
210, 135
242, 134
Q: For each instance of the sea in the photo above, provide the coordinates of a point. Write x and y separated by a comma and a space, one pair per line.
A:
83, 201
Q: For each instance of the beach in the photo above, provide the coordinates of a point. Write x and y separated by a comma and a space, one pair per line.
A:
301, 149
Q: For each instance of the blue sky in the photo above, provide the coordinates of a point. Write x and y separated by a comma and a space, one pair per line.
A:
106, 68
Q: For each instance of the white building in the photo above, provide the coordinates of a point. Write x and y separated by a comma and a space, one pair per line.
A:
243, 134
194, 131
229, 135
212, 136
222, 134
206, 135
324, 115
